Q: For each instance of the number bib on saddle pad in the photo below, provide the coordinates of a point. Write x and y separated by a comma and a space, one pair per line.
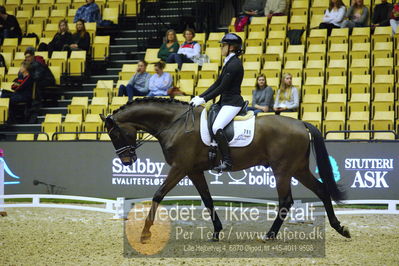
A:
242, 136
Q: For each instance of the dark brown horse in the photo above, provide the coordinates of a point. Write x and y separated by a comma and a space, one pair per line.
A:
280, 142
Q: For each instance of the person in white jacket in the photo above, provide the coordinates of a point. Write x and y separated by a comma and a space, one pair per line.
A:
333, 16
187, 51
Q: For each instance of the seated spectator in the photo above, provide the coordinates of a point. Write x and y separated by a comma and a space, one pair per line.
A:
382, 14
254, 8
275, 8
170, 45
333, 16
357, 15
22, 90
160, 82
262, 96
39, 70
80, 39
394, 21
138, 84
9, 26
61, 40
187, 51
90, 12
287, 98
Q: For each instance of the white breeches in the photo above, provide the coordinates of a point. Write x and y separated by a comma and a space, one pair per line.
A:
226, 114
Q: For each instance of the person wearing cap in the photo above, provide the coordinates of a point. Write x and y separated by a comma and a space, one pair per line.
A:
228, 86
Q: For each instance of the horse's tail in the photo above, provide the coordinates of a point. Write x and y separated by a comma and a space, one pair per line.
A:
324, 165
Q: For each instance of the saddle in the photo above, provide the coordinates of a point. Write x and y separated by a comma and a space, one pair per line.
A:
229, 129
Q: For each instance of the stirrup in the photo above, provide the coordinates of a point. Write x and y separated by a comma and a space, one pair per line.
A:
224, 166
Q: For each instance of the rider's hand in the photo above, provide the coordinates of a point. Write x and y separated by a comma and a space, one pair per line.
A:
196, 101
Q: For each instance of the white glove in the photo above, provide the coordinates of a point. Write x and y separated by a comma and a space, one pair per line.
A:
196, 101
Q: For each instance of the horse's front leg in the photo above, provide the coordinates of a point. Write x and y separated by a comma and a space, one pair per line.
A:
200, 184
174, 176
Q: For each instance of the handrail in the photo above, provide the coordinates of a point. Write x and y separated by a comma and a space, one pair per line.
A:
364, 131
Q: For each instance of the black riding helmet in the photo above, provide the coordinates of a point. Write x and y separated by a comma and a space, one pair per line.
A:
233, 39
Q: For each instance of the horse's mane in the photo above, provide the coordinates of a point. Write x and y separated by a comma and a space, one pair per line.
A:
150, 100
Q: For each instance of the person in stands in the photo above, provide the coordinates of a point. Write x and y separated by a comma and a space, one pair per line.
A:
262, 96
90, 12
357, 15
9, 26
80, 39
170, 45
333, 16
382, 14
138, 84
287, 98
160, 82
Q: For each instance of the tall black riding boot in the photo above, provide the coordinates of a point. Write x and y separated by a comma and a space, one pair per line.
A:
223, 146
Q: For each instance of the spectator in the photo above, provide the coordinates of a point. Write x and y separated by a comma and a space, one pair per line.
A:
287, 98
170, 45
61, 40
9, 26
39, 70
262, 96
275, 8
381, 14
80, 39
333, 16
357, 15
138, 84
160, 82
90, 12
394, 21
22, 89
188, 50
254, 8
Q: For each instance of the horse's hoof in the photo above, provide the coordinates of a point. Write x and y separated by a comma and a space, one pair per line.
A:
145, 238
267, 237
215, 237
345, 232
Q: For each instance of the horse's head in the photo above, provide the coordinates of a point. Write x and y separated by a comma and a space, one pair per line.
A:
123, 137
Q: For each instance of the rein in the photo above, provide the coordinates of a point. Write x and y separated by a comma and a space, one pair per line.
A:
188, 114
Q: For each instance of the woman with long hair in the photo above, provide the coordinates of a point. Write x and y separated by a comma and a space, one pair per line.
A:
81, 38
287, 98
262, 96
170, 45
333, 16
62, 38
357, 15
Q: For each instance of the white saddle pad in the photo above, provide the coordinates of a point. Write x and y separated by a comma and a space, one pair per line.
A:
243, 131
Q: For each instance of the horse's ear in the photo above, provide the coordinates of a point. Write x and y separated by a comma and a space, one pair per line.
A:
102, 117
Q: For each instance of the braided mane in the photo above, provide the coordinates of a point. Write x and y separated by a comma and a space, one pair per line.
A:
150, 100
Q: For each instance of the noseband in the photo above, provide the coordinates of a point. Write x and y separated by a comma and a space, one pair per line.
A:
129, 148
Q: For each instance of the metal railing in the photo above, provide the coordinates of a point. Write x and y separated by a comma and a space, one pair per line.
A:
363, 131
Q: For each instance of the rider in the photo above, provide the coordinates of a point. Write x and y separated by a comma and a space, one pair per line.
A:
228, 86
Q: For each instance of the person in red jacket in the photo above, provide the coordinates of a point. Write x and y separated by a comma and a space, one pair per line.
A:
22, 89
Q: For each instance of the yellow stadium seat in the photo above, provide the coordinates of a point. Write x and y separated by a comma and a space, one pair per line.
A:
59, 59
186, 86
315, 20
57, 14
130, 8
272, 69
50, 30
383, 120
383, 84
382, 66
336, 67
253, 54
23, 16
2, 73
383, 102
99, 105
214, 39
334, 121
12, 74
92, 123
384, 136
251, 69
117, 102
256, 39
335, 136
359, 102
258, 24
274, 53
71, 15
359, 84
72, 123
189, 71
311, 103
316, 52
104, 137
299, 8
77, 63
314, 68
51, 124
26, 42
104, 88
278, 23
382, 50
360, 35
18, 59
381, 34
294, 68
203, 85
214, 54
276, 37
209, 71
118, 4
358, 121
56, 71
128, 71
111, 14
100, 47
8, 58
295, 53
9, 45
360, 51
335, 103
4, 105
359, 67
25, 137
317, 36
338, 36
78, 106
337, 51
313, 118
299, 22
290, 114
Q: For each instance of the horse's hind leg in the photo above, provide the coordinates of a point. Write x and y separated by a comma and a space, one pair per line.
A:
284, 204
174, 176
202, 187
310, 181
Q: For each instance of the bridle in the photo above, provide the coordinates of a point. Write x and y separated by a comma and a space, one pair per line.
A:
132, 148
